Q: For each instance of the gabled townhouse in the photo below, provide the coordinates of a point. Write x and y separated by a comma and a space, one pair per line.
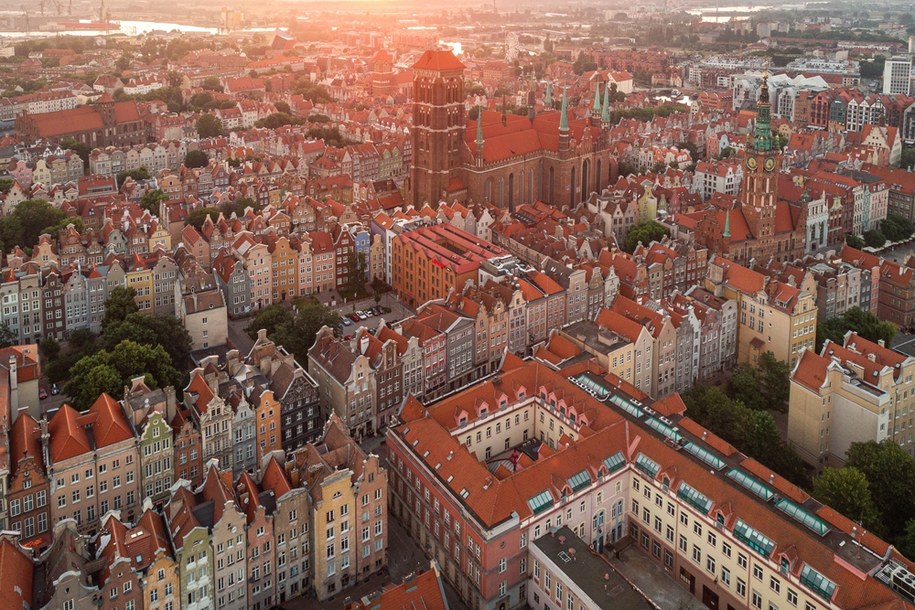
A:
93, 464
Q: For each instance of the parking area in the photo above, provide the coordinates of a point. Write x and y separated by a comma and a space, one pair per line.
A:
368, 313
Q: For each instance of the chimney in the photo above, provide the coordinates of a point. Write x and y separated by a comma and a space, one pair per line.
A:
14, 384
363, 343
170, 402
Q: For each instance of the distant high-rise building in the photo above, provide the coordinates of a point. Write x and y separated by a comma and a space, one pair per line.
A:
897, 75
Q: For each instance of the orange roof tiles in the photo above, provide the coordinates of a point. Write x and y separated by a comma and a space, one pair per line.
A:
18, 574
438, 61
68, 436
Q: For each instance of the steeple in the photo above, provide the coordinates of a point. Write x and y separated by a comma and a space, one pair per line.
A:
564, 123
763, 137
548, 96
605, 111
504, 116
595, 108
727, 224
479, 126
531, 98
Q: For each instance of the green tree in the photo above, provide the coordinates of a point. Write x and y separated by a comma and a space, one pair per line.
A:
896, 228
88, 379
198, 216
270, 318
744, 386
295, 331
109, 371
857, 320
278, 119
137, 174
211, 83
152, 199
7, 336
5, 185
725, 152
49, 348
239, 206
854, 241
775, 387
874, 238
120, 304
355, 277
752, 431
890, 472
80, 148
644, 232
28, 221
209, 126
847, 491
196, 158
906, 542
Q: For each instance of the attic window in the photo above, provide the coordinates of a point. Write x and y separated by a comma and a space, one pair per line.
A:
462, 421
503, 403
483, 412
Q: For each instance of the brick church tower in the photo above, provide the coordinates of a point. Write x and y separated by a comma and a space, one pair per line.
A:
438, 125
759, 191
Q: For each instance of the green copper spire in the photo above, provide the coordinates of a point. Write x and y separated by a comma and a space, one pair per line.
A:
763, 137
605, 111
727, 223
479, 125
564, 112
548, 96
595, 109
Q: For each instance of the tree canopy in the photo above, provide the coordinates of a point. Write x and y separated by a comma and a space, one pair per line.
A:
209, 126
751, 431
109, 371
28, 220
151, 199
857, 320
294, 330
198, 216
847, 491
644, 232
196, 158
896, 228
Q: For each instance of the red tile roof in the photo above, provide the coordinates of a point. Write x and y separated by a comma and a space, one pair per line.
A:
438, 61
18, 574
68, 437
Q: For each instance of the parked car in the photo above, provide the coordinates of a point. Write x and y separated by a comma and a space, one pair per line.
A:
42, 393
354, 317
347, 322
54, 389
348, 338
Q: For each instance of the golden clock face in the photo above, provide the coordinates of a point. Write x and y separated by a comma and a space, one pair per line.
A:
770, 164
751, 163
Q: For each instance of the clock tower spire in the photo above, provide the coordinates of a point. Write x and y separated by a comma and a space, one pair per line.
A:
759, 191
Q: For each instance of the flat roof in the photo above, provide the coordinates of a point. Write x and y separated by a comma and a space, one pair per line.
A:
591, 573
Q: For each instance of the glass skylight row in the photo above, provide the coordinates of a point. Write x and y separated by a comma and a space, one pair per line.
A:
580, 480
696, 498
647, 465
615, 462
541, 502
705, 455
750, 484
754, 539
803, 516
658, 426
817, 582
